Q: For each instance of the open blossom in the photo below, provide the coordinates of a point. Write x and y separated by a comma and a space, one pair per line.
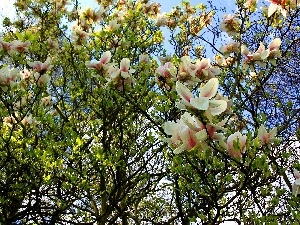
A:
15, 46
165, 75
204, 70
93, 16
186, 134
113, 24
143, 58
240, 139
102, 63
230, 48
79, 36
251, 4
230, 24
162, 20
296, 185
25, 74
282, 5
8, 77
262, 55
41, 67
28, 120
265, 137
190, 133
204, 101
120, 76
46, 101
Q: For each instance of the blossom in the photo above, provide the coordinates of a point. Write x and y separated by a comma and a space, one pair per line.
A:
162, 20
15, 46
204, 101
46, 101
281, 5
124, 69
41, 79
296, 185
185, 69
230, 47
143, 58
203, 69
8, 77
41, 67
230, 24
25, 74
113, 24
165, 74
186, 134
28, 120
265, 137
251, 5
122, 75
240, 139
102, 63
274, 50
79, 36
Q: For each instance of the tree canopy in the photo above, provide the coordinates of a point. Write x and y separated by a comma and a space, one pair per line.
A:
100, 126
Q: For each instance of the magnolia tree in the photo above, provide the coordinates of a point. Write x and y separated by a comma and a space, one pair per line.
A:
100, 126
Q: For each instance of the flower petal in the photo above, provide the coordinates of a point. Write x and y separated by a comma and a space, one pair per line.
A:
274, 44
184, 92
210, 89
221, 106
272, 8
296, 174
201, 103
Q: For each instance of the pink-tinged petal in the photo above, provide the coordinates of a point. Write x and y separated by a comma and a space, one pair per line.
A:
210, 89
201, 103
274, 44
124, 65
241, 139
264, 54
220, 106
215, 71
272, 9
262, 132
106, 56
296, 174
184, 92
211, 129
244, 50
188, 137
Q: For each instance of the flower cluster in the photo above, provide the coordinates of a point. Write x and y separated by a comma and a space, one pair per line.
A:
262, 55
189, 133
188, 72
15, 46
117, 76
